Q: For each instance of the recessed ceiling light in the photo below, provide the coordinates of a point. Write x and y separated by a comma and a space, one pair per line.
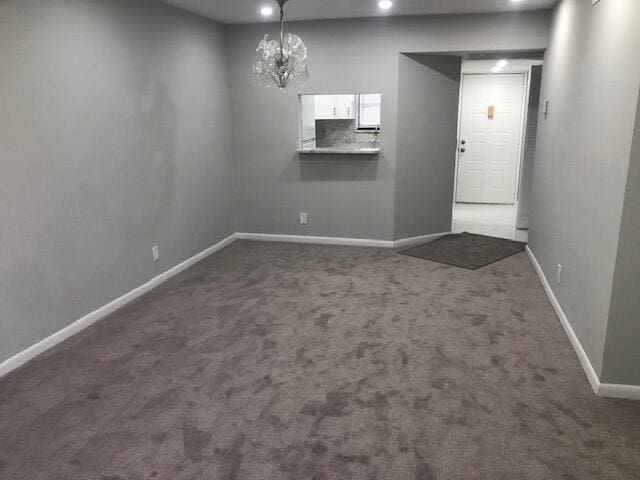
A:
266, 11
502, 63
385, 4
496, 69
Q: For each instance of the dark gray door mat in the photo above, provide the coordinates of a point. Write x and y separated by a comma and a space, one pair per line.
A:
466, 250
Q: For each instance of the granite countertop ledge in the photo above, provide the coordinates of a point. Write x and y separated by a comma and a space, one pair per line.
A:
342, 150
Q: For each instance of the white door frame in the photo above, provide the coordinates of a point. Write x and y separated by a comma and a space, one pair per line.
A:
523, 117
484, 66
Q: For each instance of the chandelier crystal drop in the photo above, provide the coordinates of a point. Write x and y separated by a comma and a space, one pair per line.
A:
284, 62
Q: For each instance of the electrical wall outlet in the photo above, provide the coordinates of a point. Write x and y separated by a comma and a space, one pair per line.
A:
559, 274
303, 218
155, 250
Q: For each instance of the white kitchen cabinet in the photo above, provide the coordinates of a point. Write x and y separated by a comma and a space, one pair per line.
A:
335, 107
345, 106
325, 107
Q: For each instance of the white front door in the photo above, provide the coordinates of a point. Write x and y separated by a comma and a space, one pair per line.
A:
490, 134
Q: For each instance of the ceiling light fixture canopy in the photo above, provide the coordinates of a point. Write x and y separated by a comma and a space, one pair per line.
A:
283, 62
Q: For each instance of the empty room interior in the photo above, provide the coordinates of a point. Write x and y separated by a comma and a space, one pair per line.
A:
319, 240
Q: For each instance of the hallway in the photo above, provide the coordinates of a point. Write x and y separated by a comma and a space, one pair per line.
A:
486, 219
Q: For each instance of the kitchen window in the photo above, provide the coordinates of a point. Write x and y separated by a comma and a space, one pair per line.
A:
369, 108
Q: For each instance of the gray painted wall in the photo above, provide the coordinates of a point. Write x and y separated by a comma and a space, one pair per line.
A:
428, 94
115, 136
622, 348
591, 78
344, 197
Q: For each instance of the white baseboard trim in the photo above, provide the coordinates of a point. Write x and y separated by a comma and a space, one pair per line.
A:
272, 237
33, 351
594, 381
630, 392
345, 241
413, 241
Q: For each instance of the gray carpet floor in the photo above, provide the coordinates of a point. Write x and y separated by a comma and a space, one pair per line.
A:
279, 361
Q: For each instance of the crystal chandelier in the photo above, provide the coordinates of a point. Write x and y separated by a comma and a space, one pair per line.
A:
281, 63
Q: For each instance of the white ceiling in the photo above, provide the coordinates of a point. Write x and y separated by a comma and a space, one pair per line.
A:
248, 11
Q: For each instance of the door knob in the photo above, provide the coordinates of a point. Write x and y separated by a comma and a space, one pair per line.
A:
462, 150
463, 142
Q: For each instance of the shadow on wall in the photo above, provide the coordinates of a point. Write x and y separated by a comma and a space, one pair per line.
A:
121, 194
149, 169
332, 168
439, 63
